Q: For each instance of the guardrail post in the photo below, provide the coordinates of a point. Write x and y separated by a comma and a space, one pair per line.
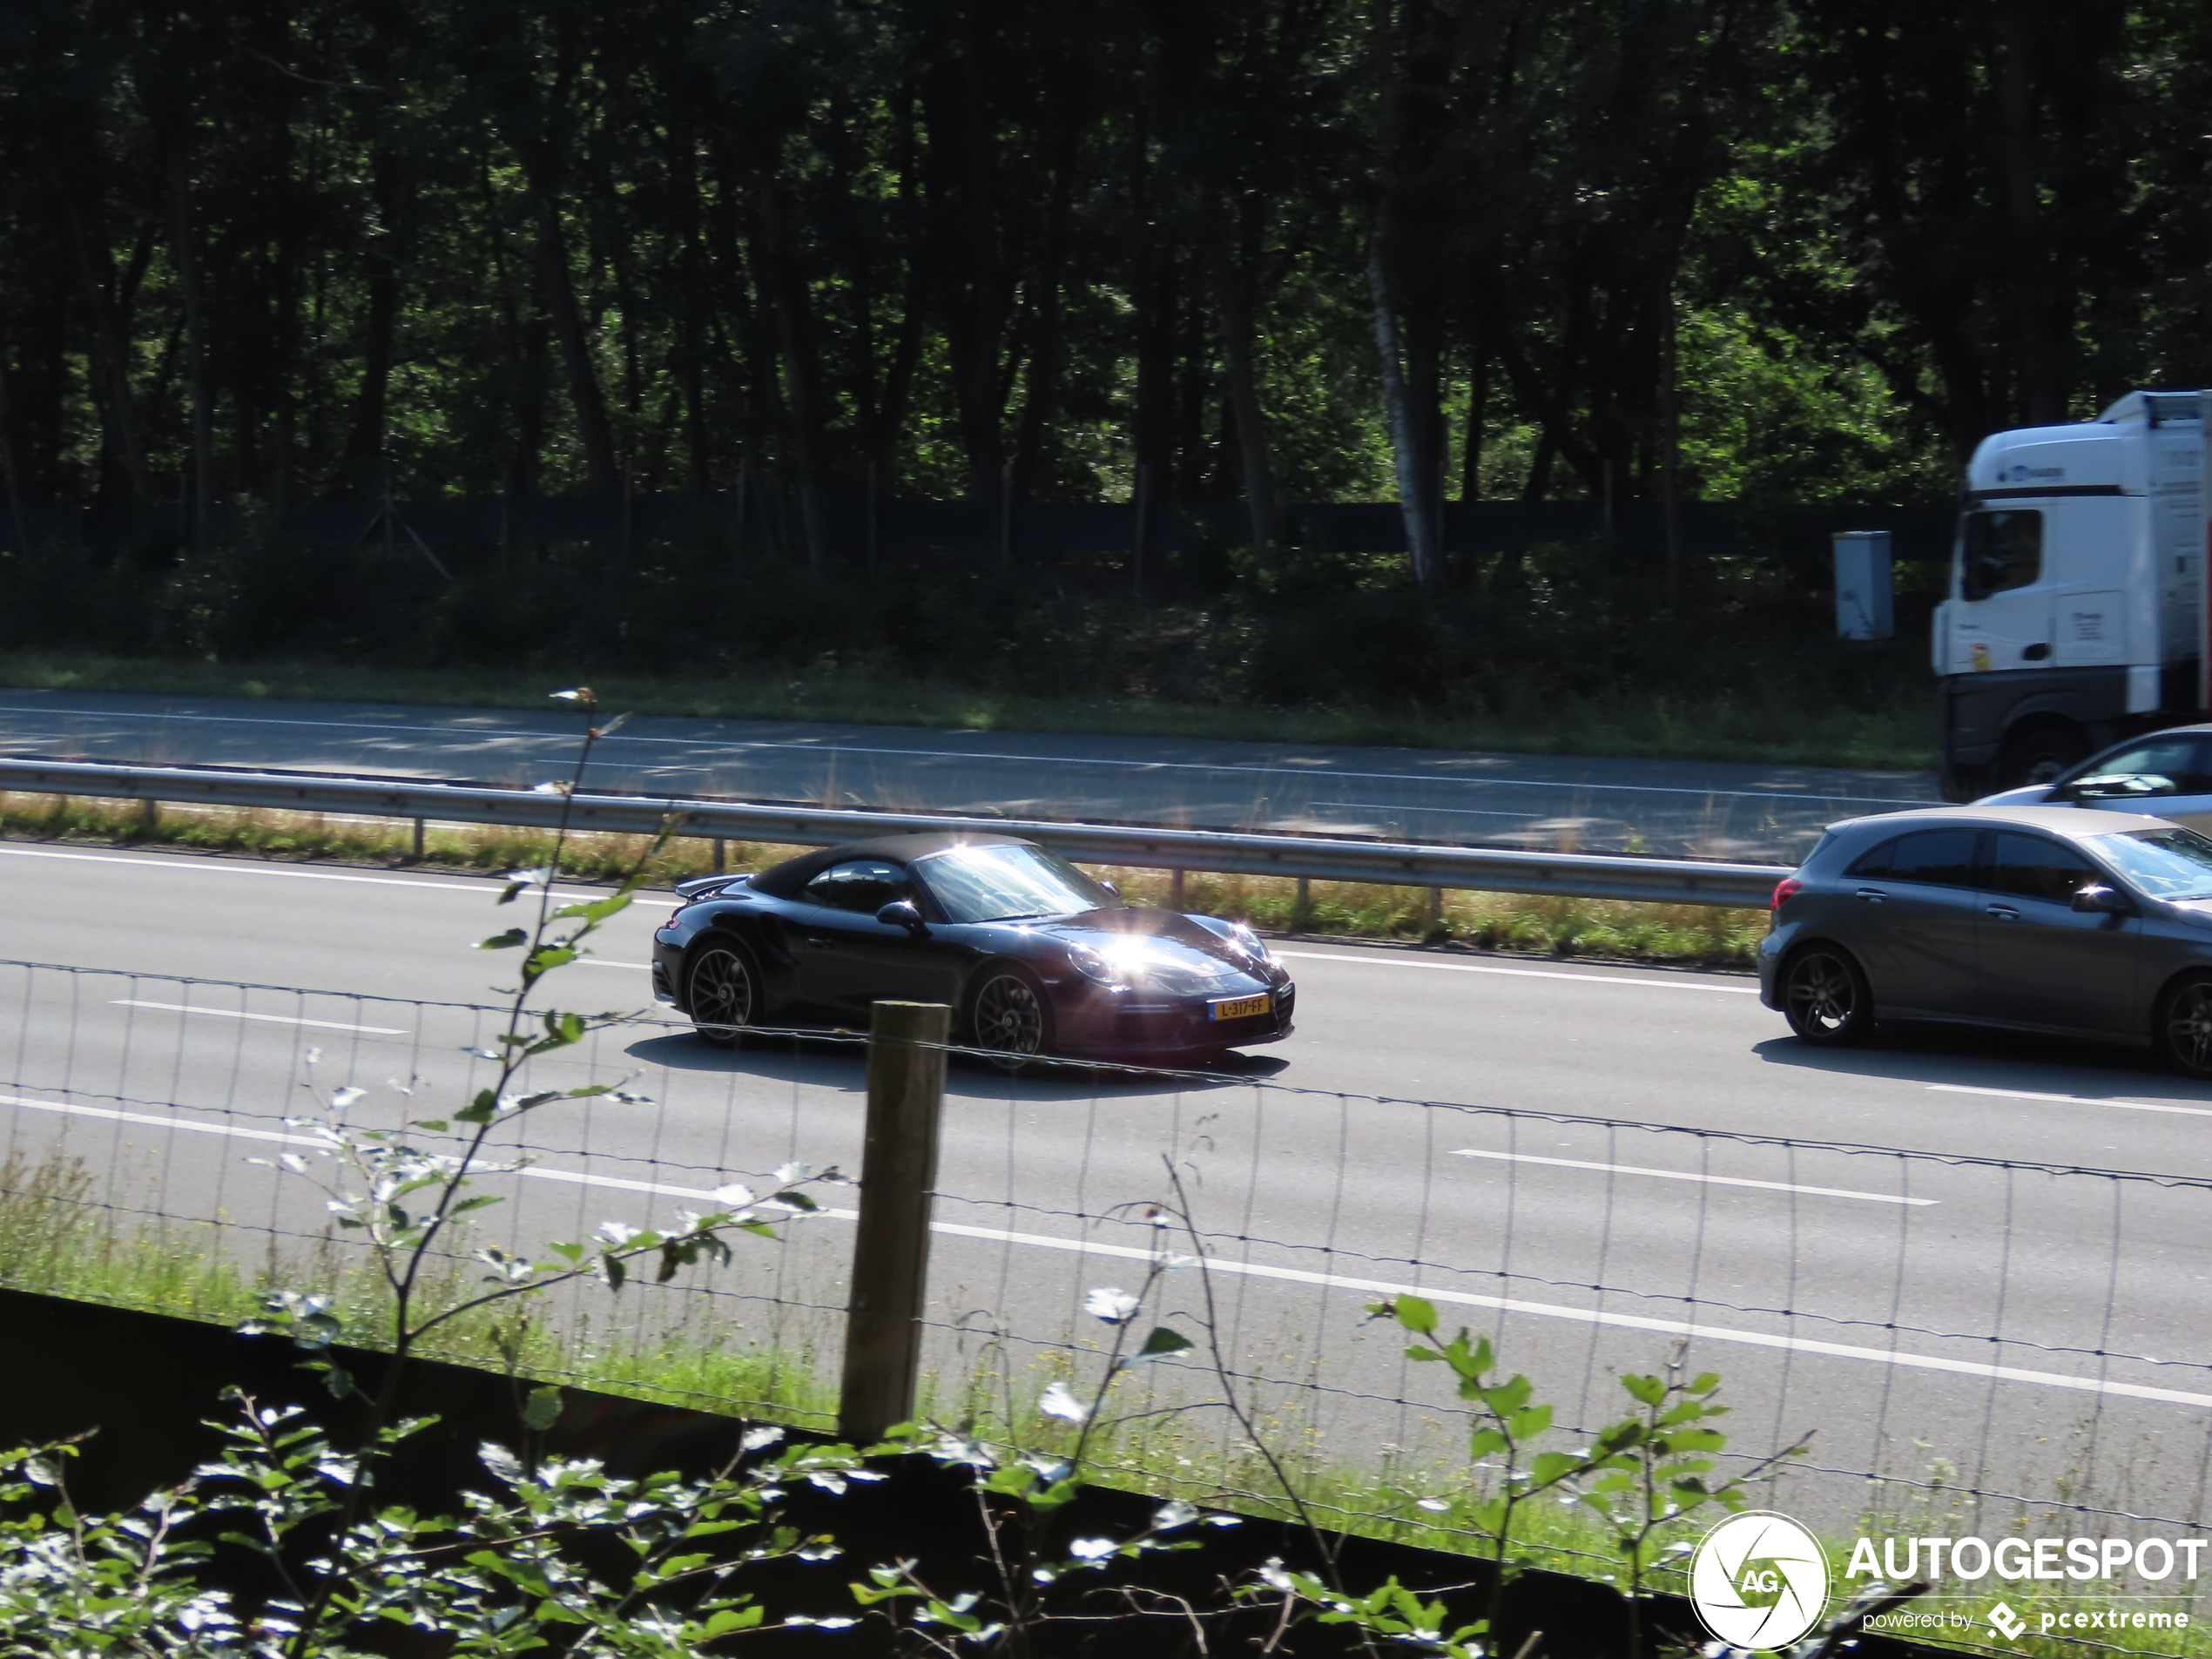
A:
149, 816
891, 1250
418, 841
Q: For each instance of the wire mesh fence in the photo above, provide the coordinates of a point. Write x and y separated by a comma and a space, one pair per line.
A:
1971, 1342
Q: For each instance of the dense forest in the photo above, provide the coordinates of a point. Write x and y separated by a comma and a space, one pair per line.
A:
1253, 252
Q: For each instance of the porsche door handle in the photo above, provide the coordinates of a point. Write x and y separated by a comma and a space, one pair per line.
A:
819, 942
2002, 913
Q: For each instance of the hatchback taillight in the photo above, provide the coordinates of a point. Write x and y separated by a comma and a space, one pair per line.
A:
1784, 890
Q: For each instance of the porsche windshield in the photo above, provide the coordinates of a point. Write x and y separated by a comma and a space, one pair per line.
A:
999, 883
2165, 864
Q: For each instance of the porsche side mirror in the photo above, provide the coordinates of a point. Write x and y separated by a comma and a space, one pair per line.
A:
2102, 900
1111, 890
900, 912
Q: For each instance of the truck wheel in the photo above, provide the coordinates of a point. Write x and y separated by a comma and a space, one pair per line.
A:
2041, 753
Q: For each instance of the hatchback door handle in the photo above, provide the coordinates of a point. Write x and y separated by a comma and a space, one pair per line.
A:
2003, 913
1872, 896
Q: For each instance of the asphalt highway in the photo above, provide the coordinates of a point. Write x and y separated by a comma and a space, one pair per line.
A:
1581, 1158
1712, 809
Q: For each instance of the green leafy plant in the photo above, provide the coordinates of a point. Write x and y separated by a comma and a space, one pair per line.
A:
1651, 1469
1038, 1572
518, 1572
504, 1578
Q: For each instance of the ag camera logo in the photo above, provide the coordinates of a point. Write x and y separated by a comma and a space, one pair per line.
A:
1759, 1581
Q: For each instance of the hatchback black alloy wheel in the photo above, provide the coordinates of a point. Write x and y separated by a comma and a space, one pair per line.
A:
2184, 1028
1826, 997
725, 992
1010, 1018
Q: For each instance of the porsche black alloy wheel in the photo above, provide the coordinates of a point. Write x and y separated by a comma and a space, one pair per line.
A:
724, 993
1826, 996
2184, 1025
1010, 1017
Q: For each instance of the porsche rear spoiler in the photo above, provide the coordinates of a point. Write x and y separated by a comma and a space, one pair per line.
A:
700, 886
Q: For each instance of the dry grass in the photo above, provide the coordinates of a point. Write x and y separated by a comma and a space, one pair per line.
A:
1687, 934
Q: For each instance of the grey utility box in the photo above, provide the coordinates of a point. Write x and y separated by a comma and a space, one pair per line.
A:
1863, 588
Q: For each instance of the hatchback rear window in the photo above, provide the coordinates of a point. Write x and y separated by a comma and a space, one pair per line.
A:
1942, 857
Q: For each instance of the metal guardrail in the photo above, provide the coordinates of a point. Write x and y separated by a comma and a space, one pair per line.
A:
1413, 863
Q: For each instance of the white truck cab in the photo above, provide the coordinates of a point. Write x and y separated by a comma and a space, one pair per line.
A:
2077, 608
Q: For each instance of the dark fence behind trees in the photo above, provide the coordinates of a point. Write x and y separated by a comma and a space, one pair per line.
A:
856, 526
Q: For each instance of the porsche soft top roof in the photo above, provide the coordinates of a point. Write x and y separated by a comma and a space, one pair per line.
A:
782, 880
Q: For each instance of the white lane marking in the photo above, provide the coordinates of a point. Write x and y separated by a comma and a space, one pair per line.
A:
1592, 1316
835, 749
1522, 973
110, 1115
239, 867
1682, 1175
274, 1019
2070, 1100
1287, 1275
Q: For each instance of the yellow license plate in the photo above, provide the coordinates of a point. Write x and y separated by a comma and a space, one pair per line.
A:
1240, 1008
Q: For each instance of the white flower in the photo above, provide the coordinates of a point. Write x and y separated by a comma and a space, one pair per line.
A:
1112, 1305
1092, 1549
1059, 1402
1173, 1514
341, 1098
733, 1196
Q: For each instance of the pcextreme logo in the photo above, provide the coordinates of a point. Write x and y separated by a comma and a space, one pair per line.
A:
1759, 1581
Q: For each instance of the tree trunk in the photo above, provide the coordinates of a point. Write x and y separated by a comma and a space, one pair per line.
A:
2041, 352
801, 362
1478, 416
110, 343
363, 466
1239, 354
1415, 487
17, 520
203, 438
602, 474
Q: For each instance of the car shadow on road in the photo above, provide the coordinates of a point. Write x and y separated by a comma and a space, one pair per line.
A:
1977, 1057
831, 1061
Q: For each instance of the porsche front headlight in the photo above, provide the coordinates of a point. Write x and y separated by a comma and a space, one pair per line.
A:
1092, 966
1248, 941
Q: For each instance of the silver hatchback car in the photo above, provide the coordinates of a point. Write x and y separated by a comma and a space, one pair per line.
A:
2030, 918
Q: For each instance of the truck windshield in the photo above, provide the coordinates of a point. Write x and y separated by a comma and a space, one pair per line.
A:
2165, 864
1999, 551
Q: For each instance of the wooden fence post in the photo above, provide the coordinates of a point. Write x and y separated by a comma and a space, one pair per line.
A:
890, 1252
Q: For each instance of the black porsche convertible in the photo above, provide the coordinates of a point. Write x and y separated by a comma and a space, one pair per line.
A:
1034, 956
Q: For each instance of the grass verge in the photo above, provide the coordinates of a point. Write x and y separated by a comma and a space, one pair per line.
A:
1898, 735
58, 1239
1688, 935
